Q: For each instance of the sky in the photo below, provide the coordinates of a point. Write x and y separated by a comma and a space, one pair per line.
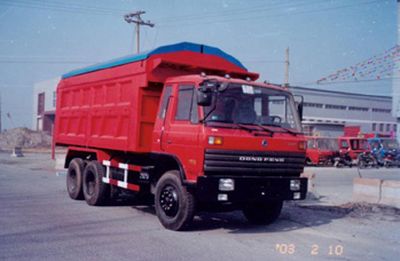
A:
43, 39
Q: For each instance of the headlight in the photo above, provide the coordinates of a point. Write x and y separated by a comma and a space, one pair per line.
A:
302, 145
294, 184
226, 185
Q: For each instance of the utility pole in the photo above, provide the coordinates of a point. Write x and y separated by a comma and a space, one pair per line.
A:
0, 114
137, 20
286, 82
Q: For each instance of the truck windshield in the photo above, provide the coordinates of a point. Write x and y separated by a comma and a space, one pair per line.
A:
253, 105
359, 144
328, 144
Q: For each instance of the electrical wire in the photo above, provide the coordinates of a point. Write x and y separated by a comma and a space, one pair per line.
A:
264, 16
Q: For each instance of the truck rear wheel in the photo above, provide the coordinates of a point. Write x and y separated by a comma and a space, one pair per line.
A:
95, 191
175, 206
74, 178
263, 213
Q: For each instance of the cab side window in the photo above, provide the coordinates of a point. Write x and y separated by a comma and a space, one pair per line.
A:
187, 105
164, 102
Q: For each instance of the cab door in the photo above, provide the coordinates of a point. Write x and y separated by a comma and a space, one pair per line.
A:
182, 128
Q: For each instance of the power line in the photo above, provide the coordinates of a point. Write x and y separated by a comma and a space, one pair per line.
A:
377, 67
263, 16
46, 62
87, 9
166, 22
360, 81
59, 8
75, 5
345, 82
237, 11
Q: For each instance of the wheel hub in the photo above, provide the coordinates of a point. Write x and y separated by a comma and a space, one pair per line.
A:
72, 181
169, 201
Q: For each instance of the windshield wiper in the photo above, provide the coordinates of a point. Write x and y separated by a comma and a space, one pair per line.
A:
241, 125
220, 123
283, 128
244, 127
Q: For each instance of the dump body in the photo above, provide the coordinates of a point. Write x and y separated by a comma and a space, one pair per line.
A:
114, 105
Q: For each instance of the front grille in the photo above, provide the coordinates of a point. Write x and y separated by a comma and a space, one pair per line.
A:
248, 163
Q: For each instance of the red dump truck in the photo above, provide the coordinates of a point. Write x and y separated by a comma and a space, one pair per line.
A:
186, 123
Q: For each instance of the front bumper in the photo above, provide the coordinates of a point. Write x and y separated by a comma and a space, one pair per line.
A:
249, 189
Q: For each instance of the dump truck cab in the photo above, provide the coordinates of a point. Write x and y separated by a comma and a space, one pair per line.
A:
236, 130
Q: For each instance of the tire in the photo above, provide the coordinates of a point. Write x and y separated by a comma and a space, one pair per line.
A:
74, 179
309, 162
262, 213
175, 206
337, 164
96, 192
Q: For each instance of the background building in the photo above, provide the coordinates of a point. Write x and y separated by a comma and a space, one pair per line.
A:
327, 112
44, 105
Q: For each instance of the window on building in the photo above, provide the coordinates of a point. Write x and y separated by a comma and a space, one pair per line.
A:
54, 99
313, 105
373, 126
354, 108
395, 127
40, 108
381, 110
185, 97
381, 127
387, 127
335, 107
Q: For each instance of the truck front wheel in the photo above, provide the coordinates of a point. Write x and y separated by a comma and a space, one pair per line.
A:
74, 178
175, 206
95, 191
262, 213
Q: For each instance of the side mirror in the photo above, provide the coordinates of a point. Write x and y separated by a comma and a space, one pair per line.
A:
299, 105
204, 98
300, 110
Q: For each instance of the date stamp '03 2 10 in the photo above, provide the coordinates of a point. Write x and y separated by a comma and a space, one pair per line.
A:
331, 250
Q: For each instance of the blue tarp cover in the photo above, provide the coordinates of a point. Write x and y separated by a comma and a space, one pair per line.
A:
184, 46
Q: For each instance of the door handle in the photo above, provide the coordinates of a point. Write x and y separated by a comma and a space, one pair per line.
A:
169, 141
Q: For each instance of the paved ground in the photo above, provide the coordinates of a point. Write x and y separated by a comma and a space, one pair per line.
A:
334, 186
39, 222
